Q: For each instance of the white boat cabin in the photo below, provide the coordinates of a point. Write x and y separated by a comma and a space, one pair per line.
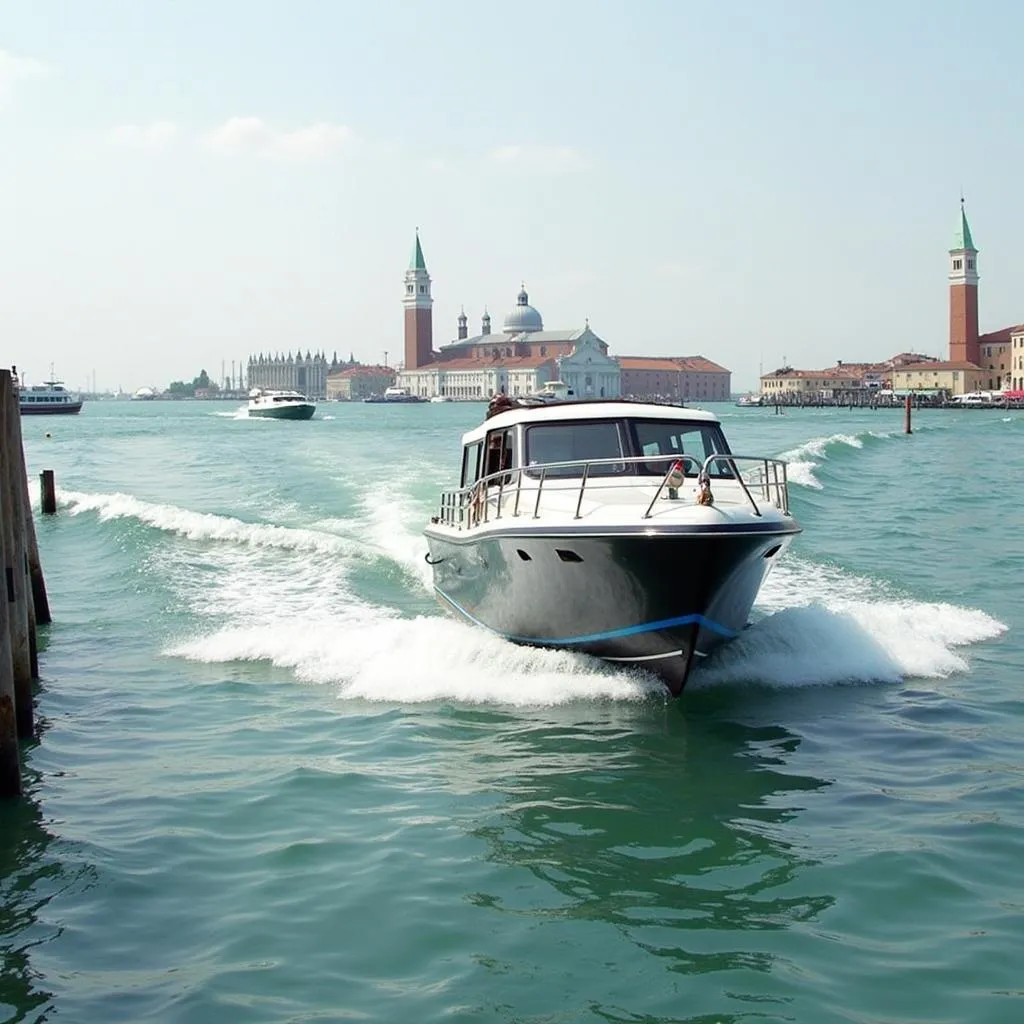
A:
565, 438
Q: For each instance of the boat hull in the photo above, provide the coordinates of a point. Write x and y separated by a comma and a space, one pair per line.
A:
288, 412
647, 600
38, 409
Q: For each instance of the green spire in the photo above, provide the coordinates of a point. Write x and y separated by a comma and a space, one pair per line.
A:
962, 239
419, 263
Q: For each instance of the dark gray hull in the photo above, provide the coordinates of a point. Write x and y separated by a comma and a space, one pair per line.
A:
288, 412
649, 600
57, 409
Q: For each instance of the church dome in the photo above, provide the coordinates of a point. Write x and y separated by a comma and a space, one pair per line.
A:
524, 317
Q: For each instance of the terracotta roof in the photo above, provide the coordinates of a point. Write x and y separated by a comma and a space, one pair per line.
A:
857, 369
505, 362
362, 371
504, 338
1003, 334
843, 374
938, 366
648, 363
670, 364
910, 357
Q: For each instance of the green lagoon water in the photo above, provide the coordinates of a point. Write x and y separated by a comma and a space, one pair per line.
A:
272, 783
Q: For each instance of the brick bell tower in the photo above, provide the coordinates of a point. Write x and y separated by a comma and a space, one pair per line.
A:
963, 296
419, 317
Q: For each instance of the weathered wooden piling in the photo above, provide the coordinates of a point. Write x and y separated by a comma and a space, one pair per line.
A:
47, 492
40, 602
906, 416
23, 601
16, 564
10, 761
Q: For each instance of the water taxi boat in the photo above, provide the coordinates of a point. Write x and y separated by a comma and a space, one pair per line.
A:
396, 394
624, 530
280, 405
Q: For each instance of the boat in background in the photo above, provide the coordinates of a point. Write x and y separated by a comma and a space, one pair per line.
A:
280, 405
49, 397
624, 530
552, 391
395, 395
750, 401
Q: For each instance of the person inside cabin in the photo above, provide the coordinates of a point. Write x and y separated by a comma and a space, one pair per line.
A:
492, 458
499, 456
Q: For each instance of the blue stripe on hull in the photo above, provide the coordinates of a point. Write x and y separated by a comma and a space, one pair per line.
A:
610, 634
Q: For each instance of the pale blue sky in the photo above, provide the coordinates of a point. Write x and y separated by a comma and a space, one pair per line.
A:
187, 182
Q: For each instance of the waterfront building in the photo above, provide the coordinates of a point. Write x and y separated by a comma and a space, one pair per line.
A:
306, 373
525, 355
359, 382
518, 360
419, 312
675, 379
963, 295
976, 361
934, 378
787, 384
990, 353
1016, 358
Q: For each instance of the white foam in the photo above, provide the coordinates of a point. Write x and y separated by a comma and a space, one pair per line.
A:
374, 655
204, 526
394, 524
828, 626
802, 460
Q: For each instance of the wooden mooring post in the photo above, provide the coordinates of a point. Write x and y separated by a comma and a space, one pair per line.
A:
23, 601
906, 416
47, 492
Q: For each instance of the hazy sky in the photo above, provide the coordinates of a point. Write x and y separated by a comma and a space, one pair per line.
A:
188, 182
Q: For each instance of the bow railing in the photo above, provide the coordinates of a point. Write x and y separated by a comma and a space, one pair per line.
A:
521, 491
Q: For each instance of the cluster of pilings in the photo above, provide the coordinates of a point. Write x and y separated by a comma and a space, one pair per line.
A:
26, 606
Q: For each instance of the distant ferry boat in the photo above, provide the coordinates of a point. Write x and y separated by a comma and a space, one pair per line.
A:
49, 397
396, 394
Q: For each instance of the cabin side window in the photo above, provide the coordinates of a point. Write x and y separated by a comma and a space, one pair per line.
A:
672, 438
578, 443
500, 454
471, 463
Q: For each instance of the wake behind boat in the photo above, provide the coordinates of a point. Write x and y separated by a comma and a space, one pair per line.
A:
280, 405
624, 530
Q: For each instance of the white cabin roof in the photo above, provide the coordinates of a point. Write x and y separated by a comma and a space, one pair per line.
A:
587, 410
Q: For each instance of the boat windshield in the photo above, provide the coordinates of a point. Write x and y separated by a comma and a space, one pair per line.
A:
586, 440
672, 437
577, 442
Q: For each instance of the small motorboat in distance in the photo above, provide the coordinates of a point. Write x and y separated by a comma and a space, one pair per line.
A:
624, 530
552, 391
396, 394
280, 405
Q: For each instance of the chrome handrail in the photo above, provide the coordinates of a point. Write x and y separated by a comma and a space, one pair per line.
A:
468, 506
664, 480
